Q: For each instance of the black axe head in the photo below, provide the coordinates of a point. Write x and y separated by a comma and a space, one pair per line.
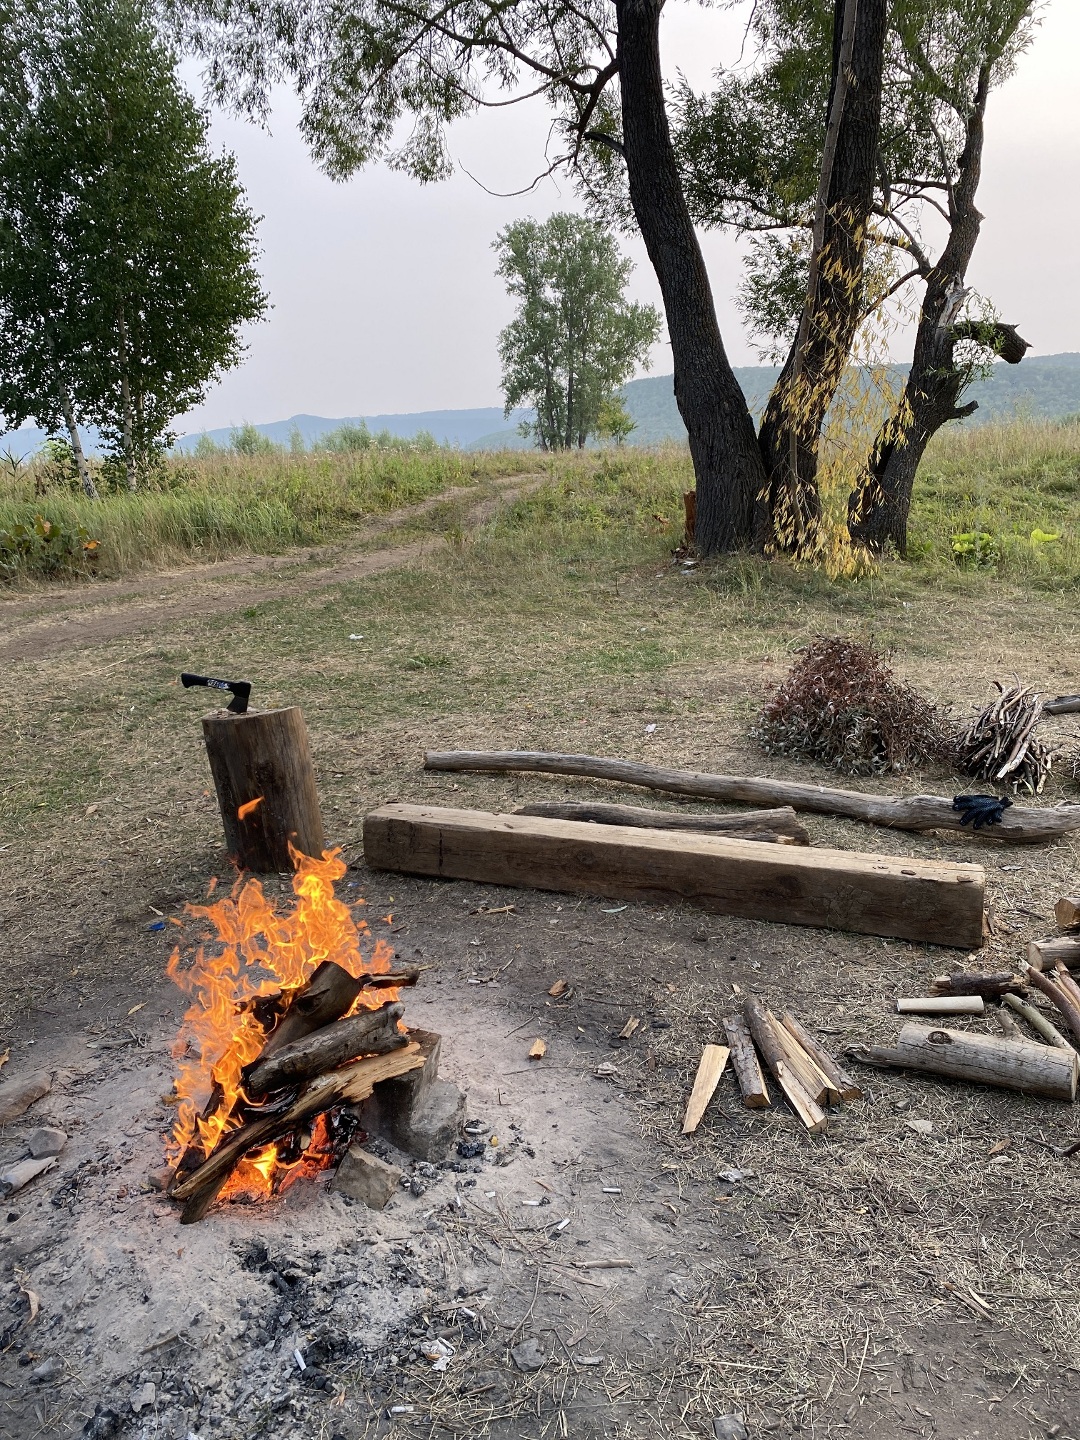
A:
239, 689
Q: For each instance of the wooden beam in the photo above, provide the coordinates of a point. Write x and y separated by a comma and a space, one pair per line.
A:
710, 1068
911, 899
1024, 823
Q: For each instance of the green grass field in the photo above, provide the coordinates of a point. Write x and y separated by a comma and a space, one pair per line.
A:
1012, 490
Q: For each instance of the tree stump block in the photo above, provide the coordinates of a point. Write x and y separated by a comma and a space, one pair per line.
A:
265, 783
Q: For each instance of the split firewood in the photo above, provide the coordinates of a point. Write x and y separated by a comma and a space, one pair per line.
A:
373, 1032
775, 1057
990, 987
846, 1087
1063, 705
981, 1059
915, 812
353, 1082
538, 1049
771, 825
1037, 1021
744, 1061
1045, 954
941, 1005
1067, 912
816, 1084
710, 1068
1058, 997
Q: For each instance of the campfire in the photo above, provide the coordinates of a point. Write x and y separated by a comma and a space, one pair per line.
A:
294, 1020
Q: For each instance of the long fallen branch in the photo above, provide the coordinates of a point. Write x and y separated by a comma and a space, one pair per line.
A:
1025, 824
767, 825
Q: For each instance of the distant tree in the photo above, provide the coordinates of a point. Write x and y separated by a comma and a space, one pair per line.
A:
250, 440
127, 254
575, 339
614, 422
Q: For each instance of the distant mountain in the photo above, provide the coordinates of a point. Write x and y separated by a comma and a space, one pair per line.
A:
1044, 385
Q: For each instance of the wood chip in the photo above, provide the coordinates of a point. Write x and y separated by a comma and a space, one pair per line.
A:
538, 1049
629, 1028
559, 988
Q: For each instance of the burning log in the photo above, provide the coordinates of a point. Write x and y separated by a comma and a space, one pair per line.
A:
1060, 950
1025, 824
841, 1082
265, 783
324, 998
353, 1082
372, 1033
981, 1059
777, 826
763, 1029
990, 987
912, 899
752, 1087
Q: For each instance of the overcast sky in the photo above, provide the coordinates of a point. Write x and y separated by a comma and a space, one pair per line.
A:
383, 292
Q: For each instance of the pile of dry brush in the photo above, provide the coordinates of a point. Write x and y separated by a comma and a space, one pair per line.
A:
842, 704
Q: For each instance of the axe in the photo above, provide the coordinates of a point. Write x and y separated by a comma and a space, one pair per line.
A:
239, 689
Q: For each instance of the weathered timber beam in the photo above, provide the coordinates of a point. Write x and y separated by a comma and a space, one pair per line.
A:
910, 899
751, 824
1026, 824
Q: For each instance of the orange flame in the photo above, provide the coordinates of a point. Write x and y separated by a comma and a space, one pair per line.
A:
257, 952
248, 807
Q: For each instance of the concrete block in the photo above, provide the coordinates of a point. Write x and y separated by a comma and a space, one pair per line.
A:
365, 1177
432, 1129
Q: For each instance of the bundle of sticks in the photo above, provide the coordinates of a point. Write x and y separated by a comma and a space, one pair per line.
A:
316, 1058
1001, 744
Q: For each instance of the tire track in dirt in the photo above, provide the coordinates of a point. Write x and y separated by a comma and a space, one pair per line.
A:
126, 608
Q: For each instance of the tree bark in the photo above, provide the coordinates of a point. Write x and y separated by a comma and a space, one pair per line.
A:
879, 507
791, 427
752, 1087
125, 400
89, 488
727, 461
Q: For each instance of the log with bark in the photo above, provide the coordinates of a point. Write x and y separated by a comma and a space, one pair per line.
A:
770, 825
981, 1059
1059, 949
1059, 997
774, 1054
1063, 705
265, 782
941, 1005
990, 987
744, 1061
373, 1032
912, 899
1025, 824
1067, 912
351, 1083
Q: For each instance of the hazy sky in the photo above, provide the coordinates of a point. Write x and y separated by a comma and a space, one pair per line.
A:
383, 292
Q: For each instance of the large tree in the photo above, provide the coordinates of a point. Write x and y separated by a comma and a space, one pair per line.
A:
127, 253
752, 161
575, 338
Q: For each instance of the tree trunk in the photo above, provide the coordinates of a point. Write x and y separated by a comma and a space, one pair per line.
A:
89, 488
727, 461
790, 435
879, 507
125, 401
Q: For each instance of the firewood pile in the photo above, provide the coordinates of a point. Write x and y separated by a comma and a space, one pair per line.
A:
842, 704
1001, 743
811, 1079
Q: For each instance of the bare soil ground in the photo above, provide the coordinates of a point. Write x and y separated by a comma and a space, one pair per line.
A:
876, 1281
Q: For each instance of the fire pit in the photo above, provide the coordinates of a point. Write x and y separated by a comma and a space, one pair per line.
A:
290, 1030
